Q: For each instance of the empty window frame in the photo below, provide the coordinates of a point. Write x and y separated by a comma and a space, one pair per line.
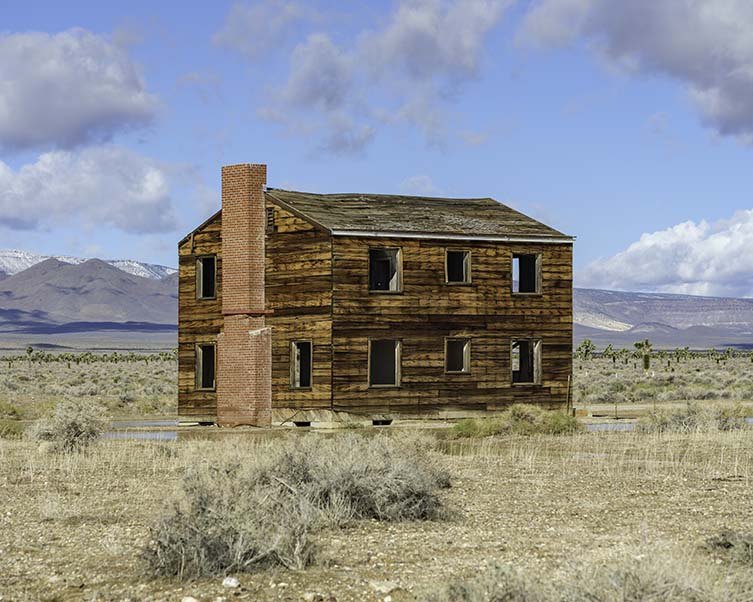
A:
526, 273
385, 270
457, 355
457, 266
525, 360
206, 366
300, 364
206, 277
384, 363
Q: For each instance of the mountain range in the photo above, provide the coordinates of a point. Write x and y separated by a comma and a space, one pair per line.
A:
14, 261
74, 301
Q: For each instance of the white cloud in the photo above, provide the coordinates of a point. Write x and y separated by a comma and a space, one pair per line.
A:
99, 186
420, 185
68, 89
321, 75
405, 72
706, 44
693, 258
428, 39
253, 28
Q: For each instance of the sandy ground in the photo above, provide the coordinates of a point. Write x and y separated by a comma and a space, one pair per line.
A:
71, 528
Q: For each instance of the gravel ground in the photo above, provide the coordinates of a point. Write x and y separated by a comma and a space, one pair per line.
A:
71, 527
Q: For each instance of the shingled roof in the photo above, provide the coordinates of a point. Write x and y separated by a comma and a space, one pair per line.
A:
386, 214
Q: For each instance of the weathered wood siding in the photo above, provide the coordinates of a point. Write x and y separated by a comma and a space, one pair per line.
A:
199, 320
428, 310
299, 294
317, 289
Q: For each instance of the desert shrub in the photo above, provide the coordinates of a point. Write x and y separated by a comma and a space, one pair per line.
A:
693, 417
262, 510
649, 576
8, 410
518, 420
72, 426
641, 578
498, 584
11, 429
737, 547
226, 520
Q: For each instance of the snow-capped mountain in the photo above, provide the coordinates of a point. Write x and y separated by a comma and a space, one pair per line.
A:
13, 261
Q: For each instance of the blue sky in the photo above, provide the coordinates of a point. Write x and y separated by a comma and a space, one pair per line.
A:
628, 125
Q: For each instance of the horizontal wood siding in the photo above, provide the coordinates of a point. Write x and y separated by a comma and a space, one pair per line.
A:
299, 294
428, 310
199, 320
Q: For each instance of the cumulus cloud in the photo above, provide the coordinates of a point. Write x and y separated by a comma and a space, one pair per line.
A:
252, 28
68, 89
321, 75
103, 185
700, 258
705, 44
403, 73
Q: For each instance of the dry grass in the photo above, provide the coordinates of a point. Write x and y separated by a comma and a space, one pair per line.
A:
518, 420
644, 574
601, 381
548, 506
28, 390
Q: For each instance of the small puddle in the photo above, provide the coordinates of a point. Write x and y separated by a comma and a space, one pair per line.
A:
119, 425
611, 426
144, 435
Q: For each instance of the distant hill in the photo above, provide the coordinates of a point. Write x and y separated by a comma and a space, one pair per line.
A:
53, 297
621, 318
14, 261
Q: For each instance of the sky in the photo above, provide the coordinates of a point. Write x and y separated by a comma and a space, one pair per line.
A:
626, 124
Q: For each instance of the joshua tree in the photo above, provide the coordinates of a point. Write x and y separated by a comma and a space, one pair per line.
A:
585, 350
643, 349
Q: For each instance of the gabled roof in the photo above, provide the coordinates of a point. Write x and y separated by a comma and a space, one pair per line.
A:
399, 215
358, 214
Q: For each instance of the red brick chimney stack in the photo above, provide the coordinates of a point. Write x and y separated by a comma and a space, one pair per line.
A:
244, 376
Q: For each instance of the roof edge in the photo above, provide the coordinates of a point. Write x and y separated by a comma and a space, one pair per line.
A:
295, 211
562, 239
206, 222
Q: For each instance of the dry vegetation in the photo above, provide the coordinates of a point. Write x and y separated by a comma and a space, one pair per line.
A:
537, 509
126, 384
670, 378
662, 515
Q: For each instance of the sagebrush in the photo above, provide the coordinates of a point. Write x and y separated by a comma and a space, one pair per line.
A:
262, 510
72, 426
518, 420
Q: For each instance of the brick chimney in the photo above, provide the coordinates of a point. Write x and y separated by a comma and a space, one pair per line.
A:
244, 370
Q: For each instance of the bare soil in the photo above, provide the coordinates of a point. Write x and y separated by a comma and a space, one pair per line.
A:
71, 527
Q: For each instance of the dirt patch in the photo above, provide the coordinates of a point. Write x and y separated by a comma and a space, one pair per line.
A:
71, 528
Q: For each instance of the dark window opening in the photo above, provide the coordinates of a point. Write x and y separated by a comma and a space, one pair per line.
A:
384, 270
300, 364
458, 266
206, 364
302, 423
384, 363
457, 355
381, 422
271, 226
526, 361
206, 277
526, 273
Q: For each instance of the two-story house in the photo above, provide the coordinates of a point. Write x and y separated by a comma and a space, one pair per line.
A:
306, 307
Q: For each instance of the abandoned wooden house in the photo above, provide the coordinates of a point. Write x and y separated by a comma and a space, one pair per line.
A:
299, 307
